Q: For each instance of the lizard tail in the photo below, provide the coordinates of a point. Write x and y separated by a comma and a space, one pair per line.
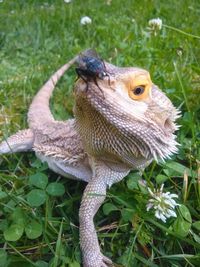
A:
39, 111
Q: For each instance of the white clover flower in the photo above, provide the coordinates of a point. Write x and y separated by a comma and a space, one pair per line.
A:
162, 203
67, 1
85, 20
155, 24
108, 2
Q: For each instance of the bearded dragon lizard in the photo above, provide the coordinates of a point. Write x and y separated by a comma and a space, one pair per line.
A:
122, 127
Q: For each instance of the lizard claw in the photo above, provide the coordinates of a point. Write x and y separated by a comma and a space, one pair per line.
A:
107, 260
97, 261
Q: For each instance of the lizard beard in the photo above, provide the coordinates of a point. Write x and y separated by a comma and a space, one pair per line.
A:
111, 134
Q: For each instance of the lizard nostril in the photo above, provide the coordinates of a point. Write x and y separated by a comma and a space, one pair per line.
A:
168, 124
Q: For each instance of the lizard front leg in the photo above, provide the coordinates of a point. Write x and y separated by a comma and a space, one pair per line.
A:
93, 197
21, 141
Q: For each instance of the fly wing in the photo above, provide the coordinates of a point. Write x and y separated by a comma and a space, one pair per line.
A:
90, 53
83, 56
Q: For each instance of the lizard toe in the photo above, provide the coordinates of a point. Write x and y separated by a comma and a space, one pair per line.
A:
97, 261
107, 261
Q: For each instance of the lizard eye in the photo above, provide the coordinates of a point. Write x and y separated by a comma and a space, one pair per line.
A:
138, 90
139, 86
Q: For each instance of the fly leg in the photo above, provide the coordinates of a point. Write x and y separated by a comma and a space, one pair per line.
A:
80, 74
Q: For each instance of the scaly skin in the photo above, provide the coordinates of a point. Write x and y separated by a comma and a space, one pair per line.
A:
114, 131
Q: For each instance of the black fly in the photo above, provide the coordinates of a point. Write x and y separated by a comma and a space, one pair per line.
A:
91, 67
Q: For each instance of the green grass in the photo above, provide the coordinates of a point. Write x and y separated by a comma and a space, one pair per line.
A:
36, 37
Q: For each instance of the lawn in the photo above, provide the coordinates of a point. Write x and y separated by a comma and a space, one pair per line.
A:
36, 38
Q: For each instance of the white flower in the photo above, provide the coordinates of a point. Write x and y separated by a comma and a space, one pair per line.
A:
155, 24
162, 203
85, 20
108, 2
67, 1
1, 1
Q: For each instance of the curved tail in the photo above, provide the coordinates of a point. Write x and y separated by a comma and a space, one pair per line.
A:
39, 111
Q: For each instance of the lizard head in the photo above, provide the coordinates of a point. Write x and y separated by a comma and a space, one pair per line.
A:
125, 117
